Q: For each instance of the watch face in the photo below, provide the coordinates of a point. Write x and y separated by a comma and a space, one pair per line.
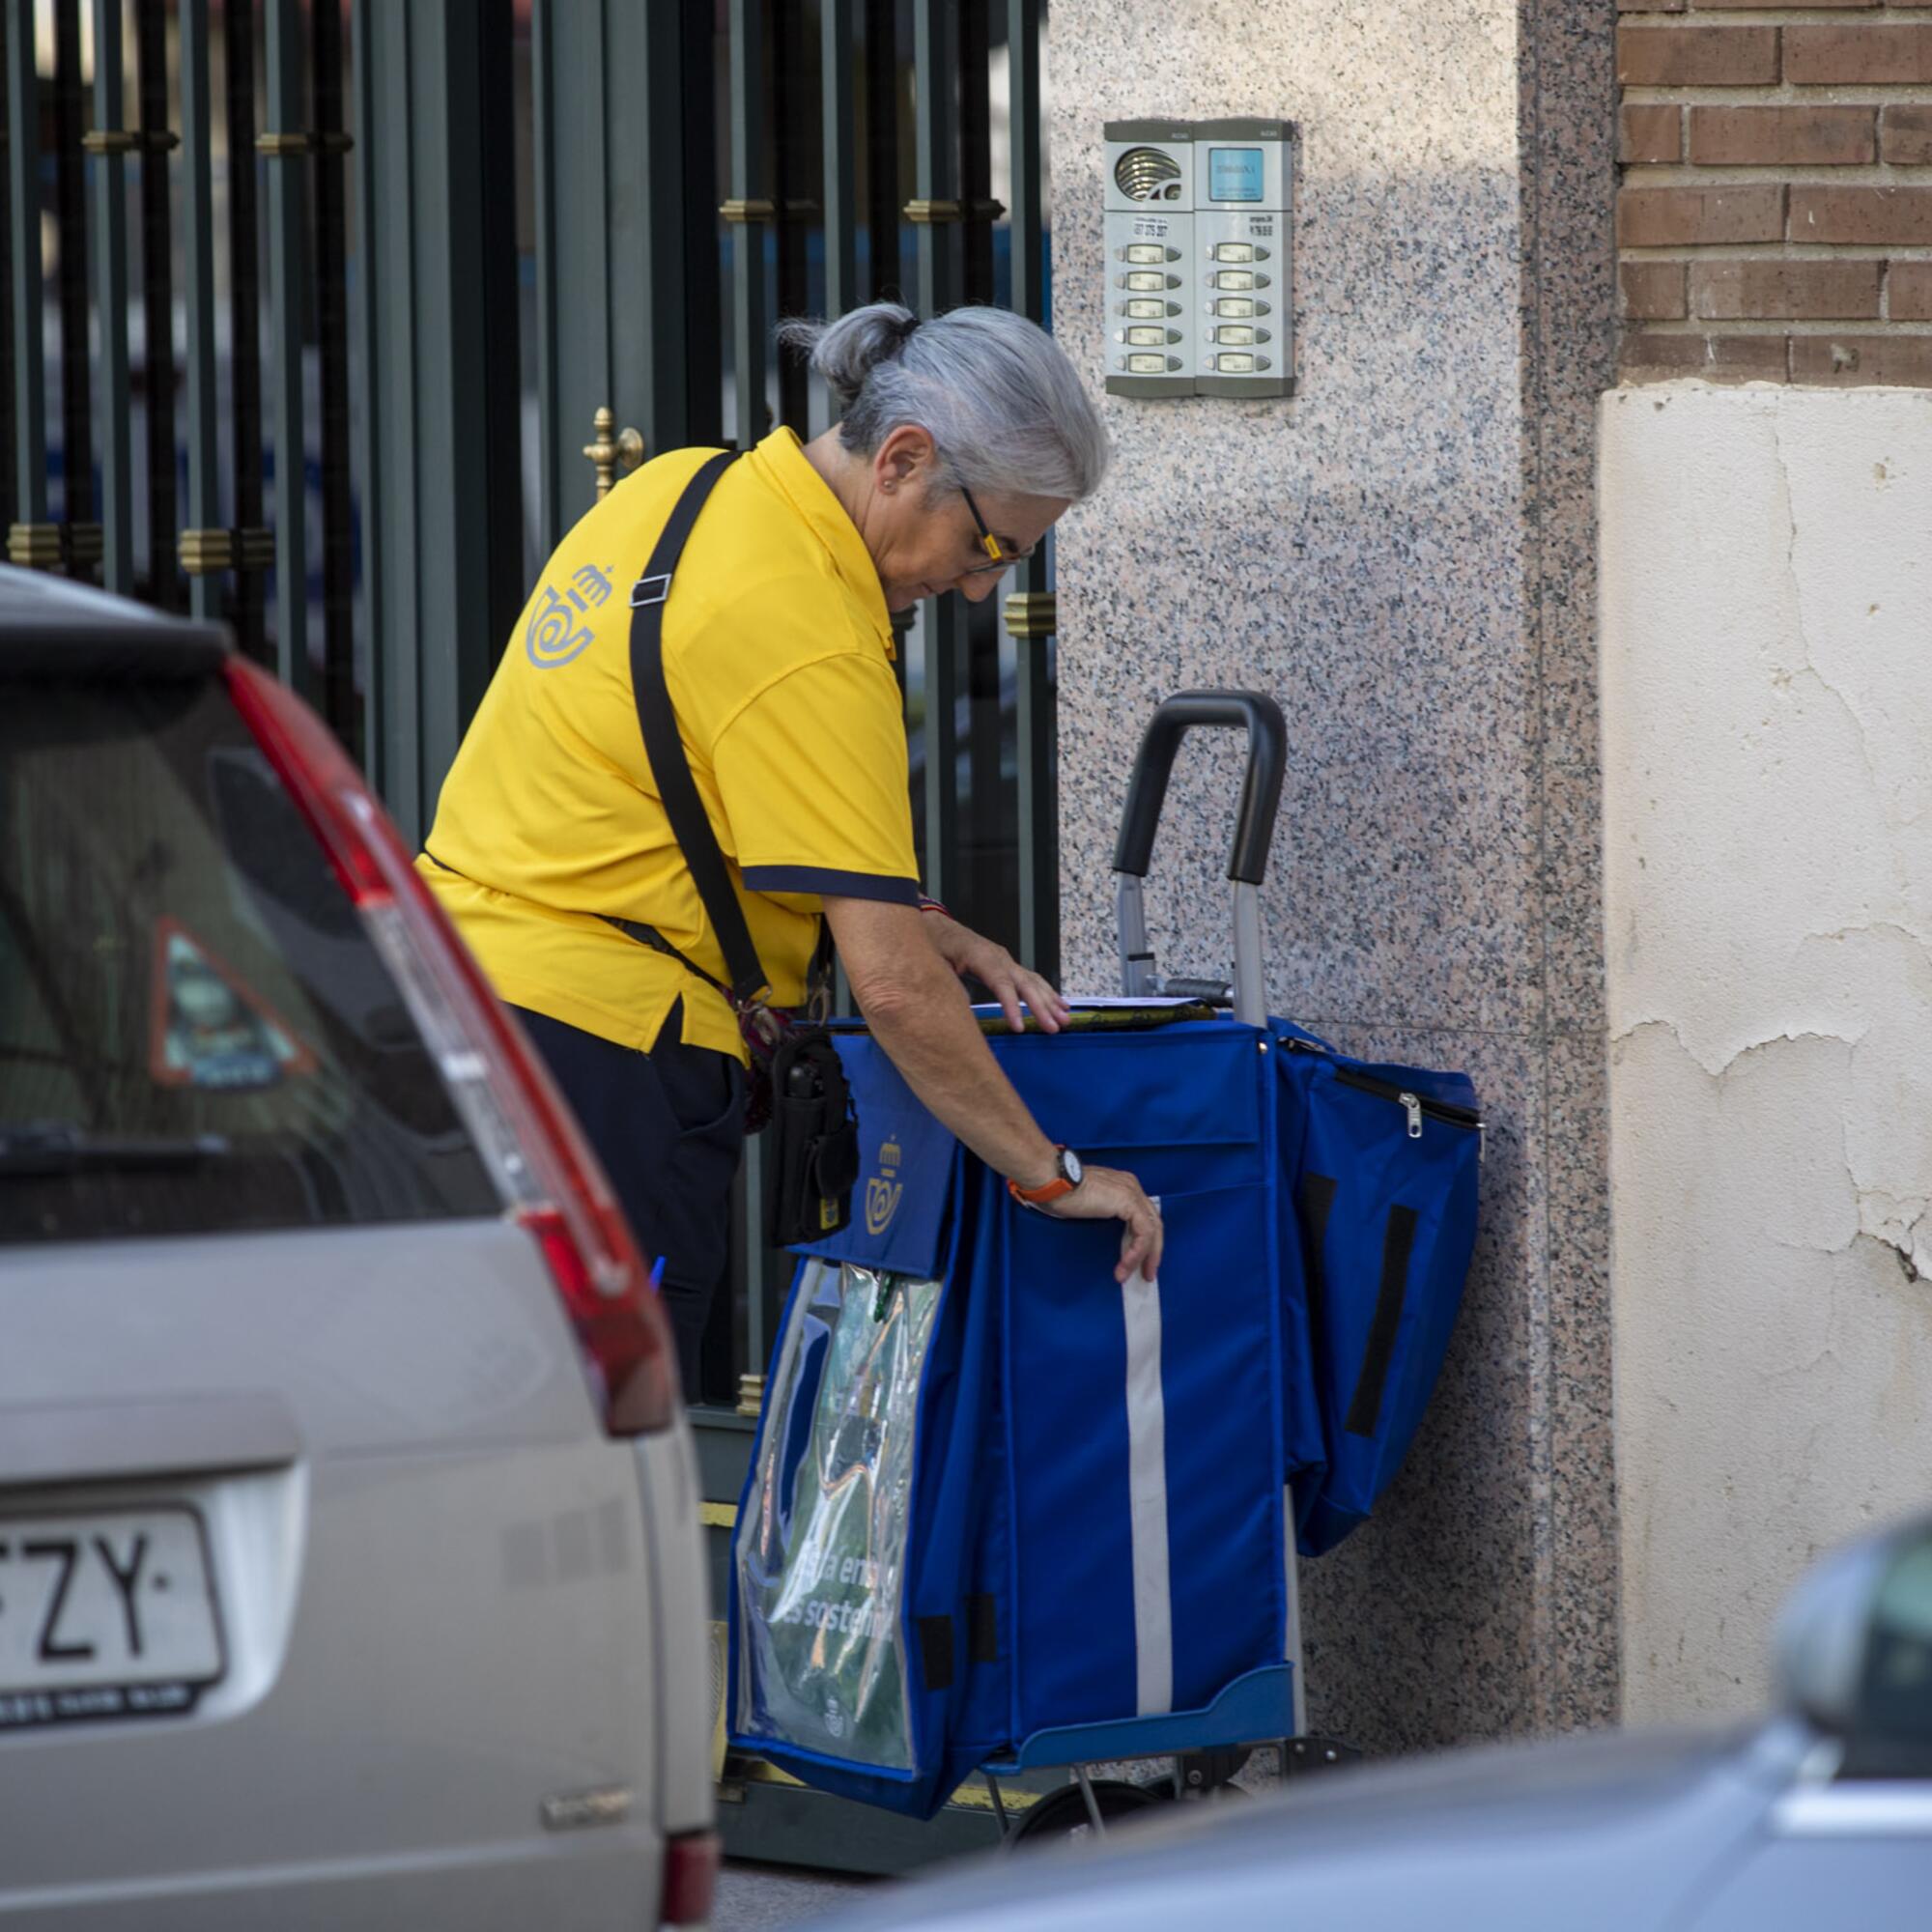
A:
1069, 1166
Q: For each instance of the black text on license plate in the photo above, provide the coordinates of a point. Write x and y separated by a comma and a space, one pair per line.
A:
105, 1613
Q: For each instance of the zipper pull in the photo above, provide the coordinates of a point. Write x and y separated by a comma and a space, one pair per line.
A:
1413, 1108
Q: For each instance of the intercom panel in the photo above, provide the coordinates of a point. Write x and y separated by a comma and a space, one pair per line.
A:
1199, 290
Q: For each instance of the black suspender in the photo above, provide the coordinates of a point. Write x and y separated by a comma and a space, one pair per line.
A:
815, 1161
689, 825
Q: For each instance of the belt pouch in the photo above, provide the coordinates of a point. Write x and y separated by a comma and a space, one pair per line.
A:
815, 1140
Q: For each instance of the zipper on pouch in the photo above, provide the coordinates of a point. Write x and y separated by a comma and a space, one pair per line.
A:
1415, 1105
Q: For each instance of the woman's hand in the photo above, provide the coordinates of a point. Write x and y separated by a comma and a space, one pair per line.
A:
996, 969
906, 992
1107, 1194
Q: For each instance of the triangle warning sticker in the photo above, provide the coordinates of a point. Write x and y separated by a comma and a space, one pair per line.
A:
209, 1027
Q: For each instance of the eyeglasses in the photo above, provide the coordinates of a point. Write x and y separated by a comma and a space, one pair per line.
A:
1002, 560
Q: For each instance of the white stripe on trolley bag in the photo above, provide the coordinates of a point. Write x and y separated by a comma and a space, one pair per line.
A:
1146, 1493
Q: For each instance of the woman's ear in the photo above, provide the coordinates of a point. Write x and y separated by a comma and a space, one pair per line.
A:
905, 455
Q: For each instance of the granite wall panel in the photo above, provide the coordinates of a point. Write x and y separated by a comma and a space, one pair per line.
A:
1404, 555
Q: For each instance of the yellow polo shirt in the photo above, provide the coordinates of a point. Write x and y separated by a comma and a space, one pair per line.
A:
777, 652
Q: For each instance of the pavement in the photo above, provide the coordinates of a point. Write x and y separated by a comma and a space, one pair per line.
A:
753, 1898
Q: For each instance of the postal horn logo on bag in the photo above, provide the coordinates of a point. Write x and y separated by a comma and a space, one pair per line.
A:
883, 1190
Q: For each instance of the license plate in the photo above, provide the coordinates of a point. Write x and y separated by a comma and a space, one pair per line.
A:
106, 1613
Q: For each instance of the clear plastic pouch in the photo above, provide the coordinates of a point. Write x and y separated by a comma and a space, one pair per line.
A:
821, 1548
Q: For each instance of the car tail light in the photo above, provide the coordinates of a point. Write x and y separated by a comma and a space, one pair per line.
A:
549, 1180
690, 1878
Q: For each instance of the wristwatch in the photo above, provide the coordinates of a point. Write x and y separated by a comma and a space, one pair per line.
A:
1067, 1176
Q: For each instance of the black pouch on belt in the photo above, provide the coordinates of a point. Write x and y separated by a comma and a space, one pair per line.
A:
816, 1140
797, 1081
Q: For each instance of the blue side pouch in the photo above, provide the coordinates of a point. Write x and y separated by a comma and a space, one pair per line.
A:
1384, 1164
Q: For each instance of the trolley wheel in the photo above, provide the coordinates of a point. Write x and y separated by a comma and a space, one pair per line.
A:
1063, 1814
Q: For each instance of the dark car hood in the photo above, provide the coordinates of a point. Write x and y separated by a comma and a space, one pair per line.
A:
1606, 1832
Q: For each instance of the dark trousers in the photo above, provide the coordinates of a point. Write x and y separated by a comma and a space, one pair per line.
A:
669, 1127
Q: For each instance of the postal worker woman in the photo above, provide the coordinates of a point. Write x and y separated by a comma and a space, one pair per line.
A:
962, 439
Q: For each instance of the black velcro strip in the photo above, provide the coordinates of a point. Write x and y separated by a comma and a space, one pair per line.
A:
1365, 1407
935, 1652
1316, 1198
982, 1629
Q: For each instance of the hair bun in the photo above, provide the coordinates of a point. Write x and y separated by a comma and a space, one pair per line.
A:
847, 351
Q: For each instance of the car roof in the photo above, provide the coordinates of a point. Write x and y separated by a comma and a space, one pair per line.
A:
50, 625
1445, 1840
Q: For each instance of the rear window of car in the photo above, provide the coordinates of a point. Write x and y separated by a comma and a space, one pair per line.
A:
196, 1035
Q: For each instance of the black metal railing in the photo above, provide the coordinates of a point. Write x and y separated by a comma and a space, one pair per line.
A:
157, 380
159, 454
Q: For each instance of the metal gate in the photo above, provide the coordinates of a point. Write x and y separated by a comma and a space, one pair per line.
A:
153, 472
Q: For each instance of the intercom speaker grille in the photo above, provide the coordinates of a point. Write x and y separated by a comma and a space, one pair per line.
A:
1140, 173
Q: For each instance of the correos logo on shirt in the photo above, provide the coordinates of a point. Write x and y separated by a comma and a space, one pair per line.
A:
556, 633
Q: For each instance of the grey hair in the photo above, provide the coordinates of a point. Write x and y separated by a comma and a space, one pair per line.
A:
993, 390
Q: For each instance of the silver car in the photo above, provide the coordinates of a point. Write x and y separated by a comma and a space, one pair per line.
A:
1820, 1816
350, 1562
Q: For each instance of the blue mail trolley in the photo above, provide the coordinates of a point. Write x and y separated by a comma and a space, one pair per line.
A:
1005, 1512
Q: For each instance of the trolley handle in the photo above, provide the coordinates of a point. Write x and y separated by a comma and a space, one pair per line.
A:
1253, 711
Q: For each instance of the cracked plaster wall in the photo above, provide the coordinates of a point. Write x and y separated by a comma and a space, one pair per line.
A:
1767, 704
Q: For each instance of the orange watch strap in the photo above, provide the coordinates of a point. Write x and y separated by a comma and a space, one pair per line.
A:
1047, 1190
1039, 1197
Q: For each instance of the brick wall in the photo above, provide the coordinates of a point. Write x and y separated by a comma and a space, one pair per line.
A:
1775, 215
